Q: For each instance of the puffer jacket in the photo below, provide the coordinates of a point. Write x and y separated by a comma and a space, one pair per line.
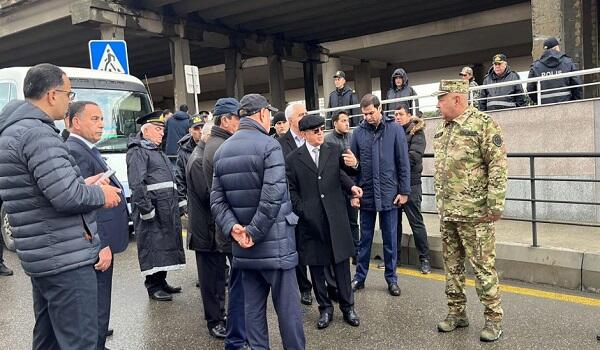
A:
250, 188
186, 146
553, 62
48, 204
402, 91
488, 103
343, 140
177, 127
384, 168
415, 137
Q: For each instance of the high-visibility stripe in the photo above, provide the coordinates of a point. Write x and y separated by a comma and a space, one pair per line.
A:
556, 94
161, 185
182, 203
501, 103
148, 216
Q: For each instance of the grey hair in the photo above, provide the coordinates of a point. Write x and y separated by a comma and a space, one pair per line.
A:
289, 110
206, 131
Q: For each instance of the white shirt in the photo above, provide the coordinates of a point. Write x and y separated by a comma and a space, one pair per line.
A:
312, 152
88, 143
297, 138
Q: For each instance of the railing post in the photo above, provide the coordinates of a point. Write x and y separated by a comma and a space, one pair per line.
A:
539, 92
533, 203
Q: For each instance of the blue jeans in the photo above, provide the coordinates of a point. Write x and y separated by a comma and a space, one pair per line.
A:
388, 222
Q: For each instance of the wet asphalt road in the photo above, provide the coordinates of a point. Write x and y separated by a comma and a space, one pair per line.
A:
405, 322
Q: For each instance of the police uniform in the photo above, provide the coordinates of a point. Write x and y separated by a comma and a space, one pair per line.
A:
470, 186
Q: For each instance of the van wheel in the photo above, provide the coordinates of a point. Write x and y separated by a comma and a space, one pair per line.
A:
6, 231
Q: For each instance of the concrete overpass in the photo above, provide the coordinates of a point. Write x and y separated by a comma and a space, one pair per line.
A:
276, 47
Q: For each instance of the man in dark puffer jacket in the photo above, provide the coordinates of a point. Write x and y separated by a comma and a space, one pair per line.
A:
250, 201
51, 209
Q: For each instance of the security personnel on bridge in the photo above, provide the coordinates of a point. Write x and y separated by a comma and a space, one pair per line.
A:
554, 62
343, 95
155, 208
470, 186
498, 73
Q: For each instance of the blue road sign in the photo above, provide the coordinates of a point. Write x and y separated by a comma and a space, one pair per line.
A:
109, 56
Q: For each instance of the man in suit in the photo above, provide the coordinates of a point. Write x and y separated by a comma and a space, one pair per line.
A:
318, 184
290, 141
86, 125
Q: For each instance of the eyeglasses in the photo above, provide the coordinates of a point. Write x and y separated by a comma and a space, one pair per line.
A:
70, 94
318, 130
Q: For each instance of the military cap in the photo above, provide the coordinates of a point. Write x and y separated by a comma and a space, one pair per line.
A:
279, 117
226, 105
458, 86
466, 70
155, 117
550, 43
499, 58
339, 74
252, 104
199, 119
311, 121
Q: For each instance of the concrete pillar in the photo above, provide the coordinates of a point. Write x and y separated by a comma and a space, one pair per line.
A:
180, 56
329, 68
546, 21
276, 82
111, 32
311, 85
362, 79
385, 76
234, 80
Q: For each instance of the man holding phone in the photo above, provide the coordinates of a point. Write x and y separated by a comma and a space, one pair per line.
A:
86, 125
384, 175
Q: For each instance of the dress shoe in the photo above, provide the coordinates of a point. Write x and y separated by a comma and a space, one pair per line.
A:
161, 295
170, 289
324, 320
110, 332
306, 298
357, 285
394, 289
351, 318
425, 266
218, 331
5, 271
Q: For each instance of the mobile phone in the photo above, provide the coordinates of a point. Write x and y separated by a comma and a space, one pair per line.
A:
105, 176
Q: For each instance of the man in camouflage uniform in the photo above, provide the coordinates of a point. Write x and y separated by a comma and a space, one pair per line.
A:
470, 187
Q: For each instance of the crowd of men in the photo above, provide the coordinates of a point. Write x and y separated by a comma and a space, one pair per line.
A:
263, 211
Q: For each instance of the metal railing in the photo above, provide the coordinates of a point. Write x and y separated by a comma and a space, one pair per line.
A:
533, 199
537, 80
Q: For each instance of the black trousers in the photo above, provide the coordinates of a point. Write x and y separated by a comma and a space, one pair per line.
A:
302, 274
1, 253
211, 274
155, 281
342, 277
104, 301
354, 228
66, 310
412, 209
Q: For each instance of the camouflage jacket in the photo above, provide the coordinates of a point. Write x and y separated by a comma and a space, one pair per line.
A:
470, 167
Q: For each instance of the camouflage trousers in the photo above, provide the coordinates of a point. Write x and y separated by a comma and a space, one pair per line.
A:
476, 242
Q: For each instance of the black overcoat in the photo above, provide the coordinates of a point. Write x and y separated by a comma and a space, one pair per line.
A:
319, 199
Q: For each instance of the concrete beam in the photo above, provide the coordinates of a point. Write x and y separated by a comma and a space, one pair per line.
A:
362, 79
508, 14
111, 32
234, 80
238, 7
311, 85
276, 82
149, 23
34, 14
329, 68
180, 56
546, 22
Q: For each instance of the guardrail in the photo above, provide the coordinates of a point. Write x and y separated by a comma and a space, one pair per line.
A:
472, 90
533, 200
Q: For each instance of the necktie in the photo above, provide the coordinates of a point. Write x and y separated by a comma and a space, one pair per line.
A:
316, 157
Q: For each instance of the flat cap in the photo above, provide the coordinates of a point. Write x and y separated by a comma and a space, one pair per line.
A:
467, 70
253, 103
310, 121
155, 117
458, 86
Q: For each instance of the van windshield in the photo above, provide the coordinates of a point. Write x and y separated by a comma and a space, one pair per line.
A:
120, 110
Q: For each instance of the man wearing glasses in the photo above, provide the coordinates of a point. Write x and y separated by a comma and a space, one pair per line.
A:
52, 211
384, 175
507, 96
318, 187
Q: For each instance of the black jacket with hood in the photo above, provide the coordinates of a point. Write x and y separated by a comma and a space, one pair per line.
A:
415, 137
186, 146
554, 62
344, 97
403, 91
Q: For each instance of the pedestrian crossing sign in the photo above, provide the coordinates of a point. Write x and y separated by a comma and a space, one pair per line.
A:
109, 56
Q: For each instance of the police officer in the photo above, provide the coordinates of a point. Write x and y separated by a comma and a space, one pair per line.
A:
155, 209
343, 95
554, 62
498, 73
470, 186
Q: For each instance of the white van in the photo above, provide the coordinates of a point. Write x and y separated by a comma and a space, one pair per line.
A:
122, 99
